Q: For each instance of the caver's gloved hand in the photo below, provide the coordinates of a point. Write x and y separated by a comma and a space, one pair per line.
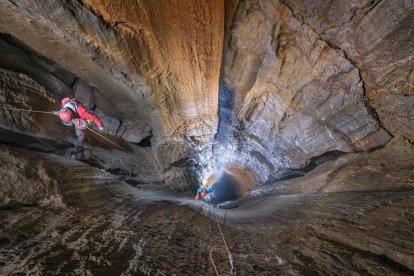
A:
55, 112
101, 128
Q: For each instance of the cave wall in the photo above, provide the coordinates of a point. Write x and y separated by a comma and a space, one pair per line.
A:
139, 57
296, 83
378, 37
30, 130
43, 132
279, 89
301, 79
19, 58
180, 58
64, 32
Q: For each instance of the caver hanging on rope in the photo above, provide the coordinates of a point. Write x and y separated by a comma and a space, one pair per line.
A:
58, 113
73, 112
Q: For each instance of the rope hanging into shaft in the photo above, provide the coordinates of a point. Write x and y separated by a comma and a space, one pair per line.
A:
211, 259
97, 133
232, 270
26, 110
228, 251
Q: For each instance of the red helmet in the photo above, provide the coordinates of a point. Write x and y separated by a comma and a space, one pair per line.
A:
65, 115
203, 193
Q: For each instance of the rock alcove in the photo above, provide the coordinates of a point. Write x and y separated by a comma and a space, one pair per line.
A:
298, 112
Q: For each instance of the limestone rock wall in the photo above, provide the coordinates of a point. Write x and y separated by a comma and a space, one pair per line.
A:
313, 99
296, 82
44, 132
24, 180
149, 55
377, 37
17, 91
51, 76
369, 38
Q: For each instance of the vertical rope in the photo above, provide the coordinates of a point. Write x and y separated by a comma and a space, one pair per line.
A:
228, 251
211, 258
231, 261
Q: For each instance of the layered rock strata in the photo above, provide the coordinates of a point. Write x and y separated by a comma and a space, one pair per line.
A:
152, 57
287, 95
285, 78
82, 220
376, 36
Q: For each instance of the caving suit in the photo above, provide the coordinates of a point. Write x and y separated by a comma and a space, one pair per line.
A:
208, 198
81, 118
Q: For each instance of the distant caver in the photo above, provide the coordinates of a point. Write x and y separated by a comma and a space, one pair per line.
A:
206, 193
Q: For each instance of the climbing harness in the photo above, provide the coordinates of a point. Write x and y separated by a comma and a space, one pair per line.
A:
80, 123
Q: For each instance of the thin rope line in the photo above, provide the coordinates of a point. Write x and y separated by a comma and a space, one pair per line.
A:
27, 110
228, 251
232, 271
211, 249
106, 139
211, 258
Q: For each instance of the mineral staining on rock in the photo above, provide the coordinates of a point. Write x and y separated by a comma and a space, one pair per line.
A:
375, 36
306, 105
294, 96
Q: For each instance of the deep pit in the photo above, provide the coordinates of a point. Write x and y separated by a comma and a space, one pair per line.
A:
298, 115
230, 184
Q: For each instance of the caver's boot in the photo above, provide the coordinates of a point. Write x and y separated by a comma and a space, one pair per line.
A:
77, 150
209, 199
80, 156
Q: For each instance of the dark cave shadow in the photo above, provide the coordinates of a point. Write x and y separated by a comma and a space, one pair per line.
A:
226, 188
225, 108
